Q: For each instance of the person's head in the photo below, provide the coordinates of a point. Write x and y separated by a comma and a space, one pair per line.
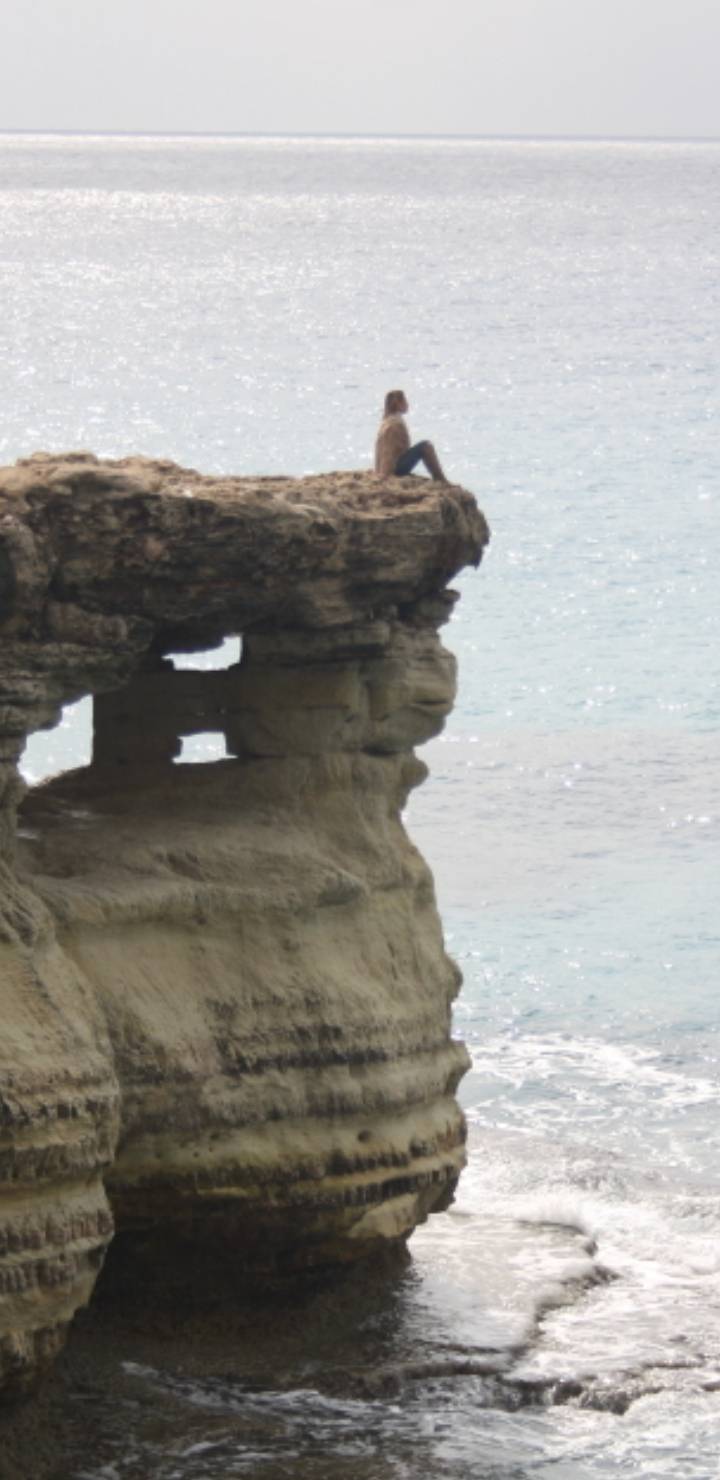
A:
396, 402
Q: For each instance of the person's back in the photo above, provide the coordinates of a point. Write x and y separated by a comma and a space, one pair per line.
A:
394, 456
393, 438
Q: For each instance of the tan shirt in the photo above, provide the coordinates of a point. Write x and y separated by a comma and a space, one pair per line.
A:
392, 440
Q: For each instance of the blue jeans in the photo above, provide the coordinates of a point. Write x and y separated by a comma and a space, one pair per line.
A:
409, 460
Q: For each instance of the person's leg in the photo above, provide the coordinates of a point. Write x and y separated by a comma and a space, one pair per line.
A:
423, 452
432, 462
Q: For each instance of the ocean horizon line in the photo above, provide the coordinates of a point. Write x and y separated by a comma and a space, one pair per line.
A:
351, 136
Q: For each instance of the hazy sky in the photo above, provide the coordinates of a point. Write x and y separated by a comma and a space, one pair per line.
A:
645, 67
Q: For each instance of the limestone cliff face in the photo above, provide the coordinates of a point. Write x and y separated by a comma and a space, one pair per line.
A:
225, 999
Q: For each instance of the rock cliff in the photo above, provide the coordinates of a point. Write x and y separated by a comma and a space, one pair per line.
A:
225, 999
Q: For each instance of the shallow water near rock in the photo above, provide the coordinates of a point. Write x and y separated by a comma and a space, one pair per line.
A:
552, 310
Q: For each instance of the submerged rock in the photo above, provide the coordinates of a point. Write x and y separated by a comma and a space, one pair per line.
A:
225, 999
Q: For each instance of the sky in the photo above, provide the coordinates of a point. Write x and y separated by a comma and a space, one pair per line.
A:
643, 68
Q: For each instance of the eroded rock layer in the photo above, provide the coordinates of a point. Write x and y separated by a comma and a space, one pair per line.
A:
225, 999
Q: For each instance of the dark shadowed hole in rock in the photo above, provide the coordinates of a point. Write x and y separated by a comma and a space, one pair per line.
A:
68, 746
64, 748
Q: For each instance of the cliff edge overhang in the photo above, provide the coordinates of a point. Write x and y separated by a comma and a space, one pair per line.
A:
226, 1002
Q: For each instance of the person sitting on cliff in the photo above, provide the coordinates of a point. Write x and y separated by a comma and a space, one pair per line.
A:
394, 457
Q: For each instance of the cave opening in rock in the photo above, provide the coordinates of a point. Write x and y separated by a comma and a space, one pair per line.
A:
66, 747
226, 655
203, 748
171, 710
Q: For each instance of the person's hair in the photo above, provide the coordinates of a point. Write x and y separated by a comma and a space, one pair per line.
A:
393, 402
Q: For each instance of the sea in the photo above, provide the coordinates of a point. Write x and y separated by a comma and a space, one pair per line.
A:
552, 309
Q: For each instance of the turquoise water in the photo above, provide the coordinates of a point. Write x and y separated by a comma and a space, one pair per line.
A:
553, 312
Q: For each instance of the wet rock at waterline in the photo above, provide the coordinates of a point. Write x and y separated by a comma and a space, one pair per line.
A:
225, 999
